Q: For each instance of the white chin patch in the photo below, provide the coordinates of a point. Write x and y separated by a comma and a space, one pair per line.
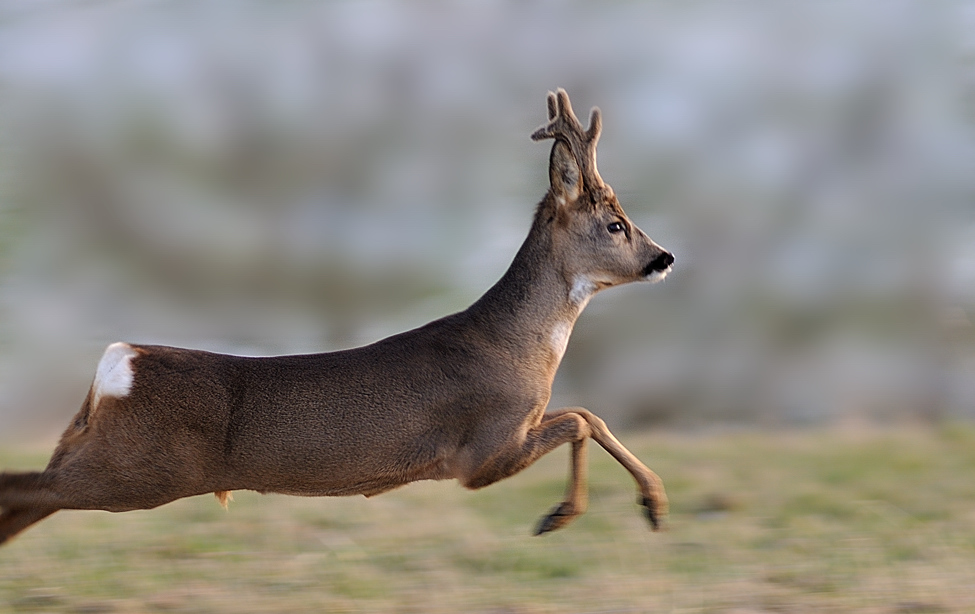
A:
658, 275
114, 375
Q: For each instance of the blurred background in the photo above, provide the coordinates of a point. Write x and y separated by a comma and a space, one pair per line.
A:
282, 177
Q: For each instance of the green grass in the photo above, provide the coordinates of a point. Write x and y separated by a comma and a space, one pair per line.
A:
833, 521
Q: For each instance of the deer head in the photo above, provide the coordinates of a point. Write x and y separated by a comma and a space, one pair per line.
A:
598, 245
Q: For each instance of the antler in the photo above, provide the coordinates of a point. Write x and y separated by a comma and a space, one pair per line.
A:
564, 126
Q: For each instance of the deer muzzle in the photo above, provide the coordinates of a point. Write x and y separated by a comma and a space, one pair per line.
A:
659, 267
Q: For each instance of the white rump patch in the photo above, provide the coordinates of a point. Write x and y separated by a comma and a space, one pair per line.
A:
113, 377
560, 338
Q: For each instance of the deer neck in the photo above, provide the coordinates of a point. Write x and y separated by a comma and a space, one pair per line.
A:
533, 307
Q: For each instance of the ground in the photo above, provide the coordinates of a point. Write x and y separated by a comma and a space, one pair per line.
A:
841, 520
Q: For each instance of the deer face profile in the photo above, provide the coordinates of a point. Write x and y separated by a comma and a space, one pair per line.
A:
599, 245
464, 397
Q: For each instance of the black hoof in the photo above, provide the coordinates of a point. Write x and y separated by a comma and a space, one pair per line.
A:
650, 511
556, 520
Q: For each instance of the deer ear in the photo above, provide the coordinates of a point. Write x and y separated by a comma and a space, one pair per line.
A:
564, 173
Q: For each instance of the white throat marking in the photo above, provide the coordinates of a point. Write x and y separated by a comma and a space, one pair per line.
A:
559, 338
582, 290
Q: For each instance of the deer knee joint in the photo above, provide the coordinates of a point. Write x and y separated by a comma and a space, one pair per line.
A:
584, 430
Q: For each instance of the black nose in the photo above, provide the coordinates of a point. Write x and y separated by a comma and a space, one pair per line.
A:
660, 263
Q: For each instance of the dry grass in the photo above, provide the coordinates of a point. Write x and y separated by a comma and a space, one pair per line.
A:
786, 522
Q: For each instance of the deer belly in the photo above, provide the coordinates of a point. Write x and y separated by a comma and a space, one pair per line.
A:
345, 471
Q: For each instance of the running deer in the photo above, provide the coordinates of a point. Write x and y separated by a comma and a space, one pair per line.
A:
463, 397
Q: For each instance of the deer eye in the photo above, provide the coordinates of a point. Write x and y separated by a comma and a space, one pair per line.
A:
616, 227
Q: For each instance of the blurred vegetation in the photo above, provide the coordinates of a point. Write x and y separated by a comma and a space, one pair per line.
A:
270, 177
853, 520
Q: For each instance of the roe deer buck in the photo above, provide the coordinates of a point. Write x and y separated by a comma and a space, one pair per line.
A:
463, 397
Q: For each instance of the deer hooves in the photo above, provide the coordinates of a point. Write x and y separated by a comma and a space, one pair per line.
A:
650, 510
561, 515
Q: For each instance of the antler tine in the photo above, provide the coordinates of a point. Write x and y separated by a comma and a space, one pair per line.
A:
563, 125
562, 122
552, 108
595, 126
565, 108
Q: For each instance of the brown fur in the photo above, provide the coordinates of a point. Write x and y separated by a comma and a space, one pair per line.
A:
463, 397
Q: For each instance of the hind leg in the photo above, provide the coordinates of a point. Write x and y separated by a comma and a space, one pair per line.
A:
23, 501
29, 490
13, 521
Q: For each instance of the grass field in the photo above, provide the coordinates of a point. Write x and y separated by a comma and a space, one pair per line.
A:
828, 521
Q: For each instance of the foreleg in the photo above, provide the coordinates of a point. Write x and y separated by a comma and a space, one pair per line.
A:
552, 432
537, 442
576, 495
651, 487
